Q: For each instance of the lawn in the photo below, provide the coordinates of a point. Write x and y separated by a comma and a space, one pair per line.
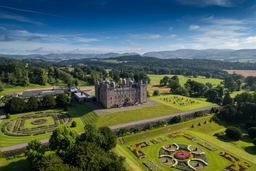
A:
84, 113
134, 115
28, 122
203, 133
181, 102
155, 82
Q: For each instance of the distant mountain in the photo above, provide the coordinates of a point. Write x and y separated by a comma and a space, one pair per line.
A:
243, 55
66, 56
186, 53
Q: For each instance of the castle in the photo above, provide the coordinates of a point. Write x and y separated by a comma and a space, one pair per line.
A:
128, 93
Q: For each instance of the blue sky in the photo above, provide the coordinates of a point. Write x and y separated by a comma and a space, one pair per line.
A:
102, 26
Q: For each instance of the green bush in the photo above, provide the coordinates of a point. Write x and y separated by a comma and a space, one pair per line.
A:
252, 132
8, 116
233, 132
73, 124
254, 141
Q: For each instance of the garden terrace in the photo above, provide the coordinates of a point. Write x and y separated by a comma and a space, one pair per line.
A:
35, 124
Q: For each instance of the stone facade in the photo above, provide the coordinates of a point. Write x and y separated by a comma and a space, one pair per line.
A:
128, 93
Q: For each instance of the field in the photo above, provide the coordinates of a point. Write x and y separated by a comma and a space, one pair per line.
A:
244, 73
205, 141
155, 82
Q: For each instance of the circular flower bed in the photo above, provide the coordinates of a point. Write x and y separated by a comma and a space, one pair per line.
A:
38, 121
182, 155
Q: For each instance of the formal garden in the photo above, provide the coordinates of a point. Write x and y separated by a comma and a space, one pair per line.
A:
186, 146
35, 124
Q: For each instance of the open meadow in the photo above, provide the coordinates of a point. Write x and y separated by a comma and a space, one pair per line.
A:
155, 82
148, 148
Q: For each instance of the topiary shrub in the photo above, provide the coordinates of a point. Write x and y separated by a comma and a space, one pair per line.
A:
199, 124
252, 132
192, 126
254, 141
233, 132
73, 124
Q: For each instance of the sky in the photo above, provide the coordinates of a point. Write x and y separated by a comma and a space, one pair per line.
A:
124, 26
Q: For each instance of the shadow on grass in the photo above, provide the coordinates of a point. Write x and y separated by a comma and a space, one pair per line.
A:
250, 150
20, 165
247, 138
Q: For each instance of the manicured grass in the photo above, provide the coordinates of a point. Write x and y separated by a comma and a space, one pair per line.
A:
86, 114
181, 102
242, 149
134, 115
155, 82
28, 123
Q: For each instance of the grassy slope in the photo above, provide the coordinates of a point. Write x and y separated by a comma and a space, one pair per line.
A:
134, 115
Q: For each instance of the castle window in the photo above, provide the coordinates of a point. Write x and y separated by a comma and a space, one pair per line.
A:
110, 98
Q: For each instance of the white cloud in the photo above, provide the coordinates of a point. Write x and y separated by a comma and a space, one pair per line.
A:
250, 40
194, 27
224, 3
85, 40
20, 19
171, 36
3, 28
156, 36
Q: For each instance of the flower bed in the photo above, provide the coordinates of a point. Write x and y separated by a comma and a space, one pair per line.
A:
38, 121
182, 155
135, 149
237, 163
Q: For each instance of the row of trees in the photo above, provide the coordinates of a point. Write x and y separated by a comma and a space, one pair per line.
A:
88, 151
17, 105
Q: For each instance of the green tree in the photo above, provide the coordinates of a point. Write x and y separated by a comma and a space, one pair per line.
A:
176, 119
252, 132
32, 103
181, 91
61, 139
228, 112
48, 101
156, 93
73, 124
233, 132
108, 138
34, 153
227, 99
1, 86
208, 75
55, 163
16, 105
62, 100
89, 156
